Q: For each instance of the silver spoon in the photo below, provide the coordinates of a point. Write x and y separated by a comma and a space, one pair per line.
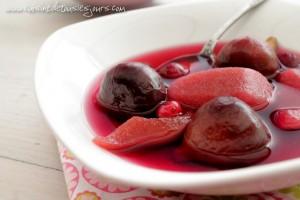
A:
206, 54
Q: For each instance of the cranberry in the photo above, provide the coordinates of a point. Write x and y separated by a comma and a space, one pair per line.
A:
290, 77
226, 131
287, 119
173, 70
169, 109
132, 89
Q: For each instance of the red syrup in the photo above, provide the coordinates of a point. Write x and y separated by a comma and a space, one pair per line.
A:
284, 144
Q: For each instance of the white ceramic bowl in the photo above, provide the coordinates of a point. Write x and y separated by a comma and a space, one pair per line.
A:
73, 56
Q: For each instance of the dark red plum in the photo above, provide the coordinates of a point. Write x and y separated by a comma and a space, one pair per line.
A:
132, 89
250, 53
227, 132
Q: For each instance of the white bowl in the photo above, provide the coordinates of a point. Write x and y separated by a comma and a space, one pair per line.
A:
73, 56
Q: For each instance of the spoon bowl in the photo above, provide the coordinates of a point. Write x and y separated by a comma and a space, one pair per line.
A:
205, 57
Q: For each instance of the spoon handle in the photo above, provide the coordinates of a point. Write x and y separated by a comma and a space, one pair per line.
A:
207, 50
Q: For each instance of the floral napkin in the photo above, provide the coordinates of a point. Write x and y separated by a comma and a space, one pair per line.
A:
84, 185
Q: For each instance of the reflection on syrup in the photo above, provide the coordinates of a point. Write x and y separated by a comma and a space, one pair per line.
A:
284, 144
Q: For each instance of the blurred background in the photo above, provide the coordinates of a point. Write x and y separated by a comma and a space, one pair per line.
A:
29, 164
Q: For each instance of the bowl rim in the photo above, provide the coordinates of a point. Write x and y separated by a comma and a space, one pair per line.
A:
176, 180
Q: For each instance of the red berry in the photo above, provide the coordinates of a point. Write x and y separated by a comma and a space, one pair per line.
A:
290, 77
173, 70
169, 109
287, 119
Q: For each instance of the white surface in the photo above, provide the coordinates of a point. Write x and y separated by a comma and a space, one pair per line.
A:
29, 164
73, 56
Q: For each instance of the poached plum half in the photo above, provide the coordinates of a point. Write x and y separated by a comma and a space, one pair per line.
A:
250, 53
206, 115
132, 89
226, 131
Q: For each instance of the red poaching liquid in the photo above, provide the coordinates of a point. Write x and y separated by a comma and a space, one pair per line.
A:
284, 144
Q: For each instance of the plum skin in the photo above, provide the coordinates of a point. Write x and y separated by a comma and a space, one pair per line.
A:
132, 89
227, 132
250, 53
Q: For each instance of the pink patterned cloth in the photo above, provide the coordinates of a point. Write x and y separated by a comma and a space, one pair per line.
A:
84, 185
